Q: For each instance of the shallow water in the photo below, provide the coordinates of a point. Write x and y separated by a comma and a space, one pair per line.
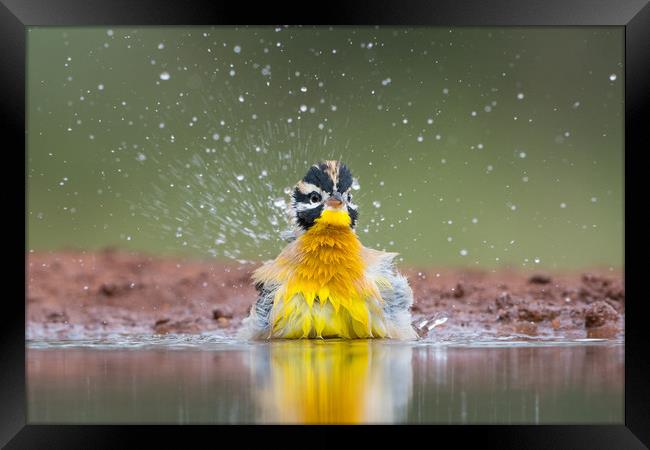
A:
207, 379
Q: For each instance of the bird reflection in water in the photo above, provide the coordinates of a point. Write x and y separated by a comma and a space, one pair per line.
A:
332, 381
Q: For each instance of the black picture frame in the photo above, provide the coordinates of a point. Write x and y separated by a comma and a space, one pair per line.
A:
633, 15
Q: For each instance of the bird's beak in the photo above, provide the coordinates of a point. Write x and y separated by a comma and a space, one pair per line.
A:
335, 201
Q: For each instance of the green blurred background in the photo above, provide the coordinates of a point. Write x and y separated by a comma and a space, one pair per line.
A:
472, 146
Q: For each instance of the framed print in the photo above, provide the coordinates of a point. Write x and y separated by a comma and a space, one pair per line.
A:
414, 214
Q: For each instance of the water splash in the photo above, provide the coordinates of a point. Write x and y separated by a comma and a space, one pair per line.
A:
221, 200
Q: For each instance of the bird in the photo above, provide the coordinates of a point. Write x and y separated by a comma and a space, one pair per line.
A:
325, 284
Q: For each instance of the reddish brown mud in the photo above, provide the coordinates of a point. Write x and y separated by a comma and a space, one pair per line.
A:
77, 294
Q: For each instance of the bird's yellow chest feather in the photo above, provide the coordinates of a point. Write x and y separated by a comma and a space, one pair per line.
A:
324, 292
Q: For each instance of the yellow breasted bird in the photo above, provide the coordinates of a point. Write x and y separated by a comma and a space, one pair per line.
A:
325, 284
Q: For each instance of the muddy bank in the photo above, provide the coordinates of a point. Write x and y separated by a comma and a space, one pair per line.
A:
75, 294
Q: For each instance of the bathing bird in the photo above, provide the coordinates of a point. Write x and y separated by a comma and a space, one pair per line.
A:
325, 283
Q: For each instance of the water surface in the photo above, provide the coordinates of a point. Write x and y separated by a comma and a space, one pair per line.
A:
202, 380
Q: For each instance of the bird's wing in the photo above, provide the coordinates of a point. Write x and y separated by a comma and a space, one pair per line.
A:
257, 324
267, 278
377, 262
394, 289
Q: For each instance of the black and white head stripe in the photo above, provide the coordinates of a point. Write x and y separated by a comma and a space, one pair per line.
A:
321, 181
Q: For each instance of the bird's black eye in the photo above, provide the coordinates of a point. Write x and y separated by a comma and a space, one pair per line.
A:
349, 197
315, 197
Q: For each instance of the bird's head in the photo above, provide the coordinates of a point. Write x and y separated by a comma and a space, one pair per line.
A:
324, 195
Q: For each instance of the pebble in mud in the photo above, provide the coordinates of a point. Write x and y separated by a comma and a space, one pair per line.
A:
504, 304
525, 327
222, 313
108, 289
599, 313
539, 279
166, 326
601, 320
556, 323
607, 331
504, 300
535, 312
57, 317
160, 327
